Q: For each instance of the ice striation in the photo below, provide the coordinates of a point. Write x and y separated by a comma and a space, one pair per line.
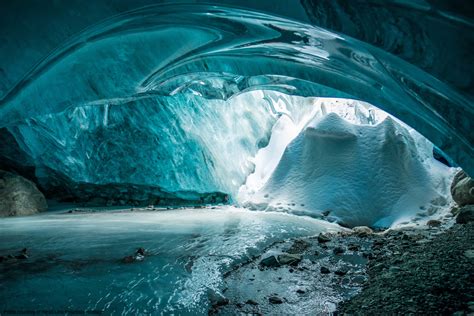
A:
373, 175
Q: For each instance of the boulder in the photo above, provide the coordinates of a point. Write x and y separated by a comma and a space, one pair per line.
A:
299, 246
275, 300
362, 231
353, 247
280, 260
465, 215
462, 189
270, 262
290, 259
19, 196
325, 270
322, 238
433, 223
469, 254
341, 271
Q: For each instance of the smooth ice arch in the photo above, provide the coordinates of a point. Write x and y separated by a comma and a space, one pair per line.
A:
218, 52
138, 84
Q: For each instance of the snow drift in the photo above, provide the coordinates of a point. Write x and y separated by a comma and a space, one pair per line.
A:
355, 174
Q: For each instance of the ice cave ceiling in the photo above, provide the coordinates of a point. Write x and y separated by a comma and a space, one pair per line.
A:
85, 83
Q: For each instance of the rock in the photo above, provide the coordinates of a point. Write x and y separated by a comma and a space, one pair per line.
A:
460, 175
341, 272
299, 246
462, 189
280, 260
368, 255
353, 247
469, 254
470, 306
19, 196
466, 214
325, 270
23, 254
275, 300
322, 238
454, 211
139, 254
290, 259
325, 212
251, 302
270, 262
395, 269
218, 300
433, 223
128, 259
362, 231
338, 250
137, 257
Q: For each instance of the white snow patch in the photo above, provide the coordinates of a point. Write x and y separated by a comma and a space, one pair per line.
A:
362, 174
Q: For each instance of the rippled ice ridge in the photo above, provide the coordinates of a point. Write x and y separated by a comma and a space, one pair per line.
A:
75, 261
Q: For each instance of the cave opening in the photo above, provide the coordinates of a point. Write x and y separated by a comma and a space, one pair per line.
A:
236, 158
264, 150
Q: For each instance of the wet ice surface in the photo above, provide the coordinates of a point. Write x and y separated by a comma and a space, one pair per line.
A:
75, 259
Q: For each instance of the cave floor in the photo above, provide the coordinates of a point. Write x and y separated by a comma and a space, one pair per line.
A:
88, 260
419, 274
408, 271
226, 260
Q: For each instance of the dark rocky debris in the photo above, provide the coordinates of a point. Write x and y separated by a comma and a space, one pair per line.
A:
418, 274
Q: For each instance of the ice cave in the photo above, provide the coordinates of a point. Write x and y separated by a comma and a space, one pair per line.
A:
176, 157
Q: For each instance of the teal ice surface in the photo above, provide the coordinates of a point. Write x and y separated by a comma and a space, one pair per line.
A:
75, 259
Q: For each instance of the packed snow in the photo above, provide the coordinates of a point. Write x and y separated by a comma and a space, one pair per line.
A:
372, 171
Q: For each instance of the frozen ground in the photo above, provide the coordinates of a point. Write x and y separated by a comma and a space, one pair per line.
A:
75, 260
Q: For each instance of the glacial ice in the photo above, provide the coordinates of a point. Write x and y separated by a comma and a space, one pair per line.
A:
246, 147
357, 174
176, 101
157, 144
217, 52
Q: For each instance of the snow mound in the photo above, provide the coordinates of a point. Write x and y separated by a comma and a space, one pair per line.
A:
375, 175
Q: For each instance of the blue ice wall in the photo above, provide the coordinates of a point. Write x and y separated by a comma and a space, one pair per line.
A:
157, 144
411, 59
